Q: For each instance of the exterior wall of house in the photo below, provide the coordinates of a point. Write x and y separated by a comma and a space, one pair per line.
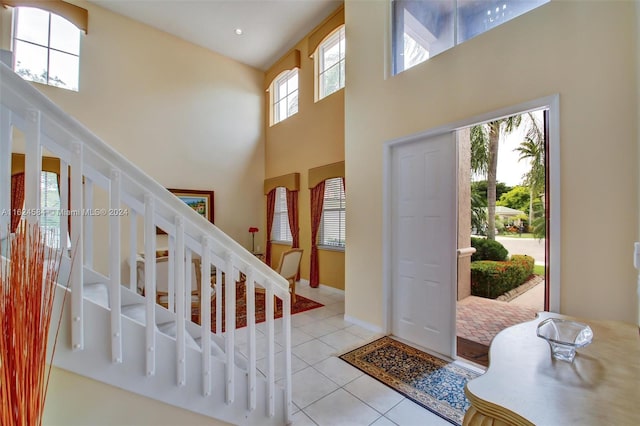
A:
311, 138
188, 117
74, 400
584, 51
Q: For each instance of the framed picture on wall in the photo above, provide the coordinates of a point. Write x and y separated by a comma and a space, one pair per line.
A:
200, 201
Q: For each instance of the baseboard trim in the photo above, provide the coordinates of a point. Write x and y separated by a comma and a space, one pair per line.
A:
324, 287
363, 324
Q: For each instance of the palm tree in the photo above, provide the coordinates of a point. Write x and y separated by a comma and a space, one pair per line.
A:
485, 141
478, 211
532, 149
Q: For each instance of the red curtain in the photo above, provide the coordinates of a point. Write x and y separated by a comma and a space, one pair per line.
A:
317, 201
17, 199
292, 212
271, 208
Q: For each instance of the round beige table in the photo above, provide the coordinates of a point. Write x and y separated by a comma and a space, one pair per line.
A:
525, 386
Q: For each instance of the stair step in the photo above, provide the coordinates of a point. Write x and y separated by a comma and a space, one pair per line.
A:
217, 343
135, 312
97, 293
169, 329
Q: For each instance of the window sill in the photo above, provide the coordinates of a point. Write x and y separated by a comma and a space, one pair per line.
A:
331, 248
329, 95
282, 243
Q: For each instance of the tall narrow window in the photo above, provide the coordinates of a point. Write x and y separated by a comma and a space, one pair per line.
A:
333, 223
50, 211
330, 64
46, 48
50, 206
280, 231
285, 96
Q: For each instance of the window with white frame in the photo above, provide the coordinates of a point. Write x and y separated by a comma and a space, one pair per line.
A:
46, 48
333, 223
330, 61
50, 209
422, 29
284, 95
50, 206
280, 230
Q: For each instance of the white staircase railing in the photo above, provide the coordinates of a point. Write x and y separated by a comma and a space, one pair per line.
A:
94, 169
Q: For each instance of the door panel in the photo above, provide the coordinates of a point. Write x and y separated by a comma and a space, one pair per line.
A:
423, 239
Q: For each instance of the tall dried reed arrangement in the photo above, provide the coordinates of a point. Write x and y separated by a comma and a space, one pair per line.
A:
27, 285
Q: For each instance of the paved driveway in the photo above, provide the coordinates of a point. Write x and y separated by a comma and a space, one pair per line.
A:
529, 246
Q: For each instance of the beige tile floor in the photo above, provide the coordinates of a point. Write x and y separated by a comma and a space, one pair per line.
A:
327, 390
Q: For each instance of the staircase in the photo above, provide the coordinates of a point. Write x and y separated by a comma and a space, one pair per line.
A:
112, 333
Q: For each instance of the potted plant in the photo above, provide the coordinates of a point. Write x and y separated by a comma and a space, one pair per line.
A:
28, 279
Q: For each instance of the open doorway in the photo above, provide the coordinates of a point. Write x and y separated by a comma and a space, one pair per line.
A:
502, 228
402, 254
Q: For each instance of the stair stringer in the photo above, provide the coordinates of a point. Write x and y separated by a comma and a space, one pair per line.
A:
94, 362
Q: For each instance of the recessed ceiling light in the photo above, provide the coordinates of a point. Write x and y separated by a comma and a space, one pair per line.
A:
238, 31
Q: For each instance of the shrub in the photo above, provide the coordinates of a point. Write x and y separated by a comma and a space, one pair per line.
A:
488, 250
491, 278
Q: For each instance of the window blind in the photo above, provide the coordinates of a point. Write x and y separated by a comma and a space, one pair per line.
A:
333, 224
280, 230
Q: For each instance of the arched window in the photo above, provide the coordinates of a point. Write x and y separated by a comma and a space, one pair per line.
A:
330, 64
46, 48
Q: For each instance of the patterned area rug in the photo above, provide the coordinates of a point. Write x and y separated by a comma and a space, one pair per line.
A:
302, 304
435, 384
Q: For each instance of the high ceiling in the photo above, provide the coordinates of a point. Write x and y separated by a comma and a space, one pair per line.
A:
269, 27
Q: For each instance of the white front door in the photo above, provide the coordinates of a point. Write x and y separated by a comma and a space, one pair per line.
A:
423, 242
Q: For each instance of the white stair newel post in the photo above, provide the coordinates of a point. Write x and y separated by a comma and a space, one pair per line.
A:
150, 282
87, 216
114, 267
5, 170
205, 314
133, 250
230, 325
286, 331
271, 361
251, 326
77, 249
33, 168
64, 205
180, 288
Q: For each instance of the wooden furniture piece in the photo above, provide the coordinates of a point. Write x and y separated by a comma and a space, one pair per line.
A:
288, 268
162, 282
525, 386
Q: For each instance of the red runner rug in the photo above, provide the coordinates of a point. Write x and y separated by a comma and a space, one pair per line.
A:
302, 304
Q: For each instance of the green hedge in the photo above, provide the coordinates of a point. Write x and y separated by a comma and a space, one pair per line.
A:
491, 278
487, 250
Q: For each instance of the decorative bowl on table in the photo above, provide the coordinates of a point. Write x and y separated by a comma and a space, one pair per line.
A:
564, 337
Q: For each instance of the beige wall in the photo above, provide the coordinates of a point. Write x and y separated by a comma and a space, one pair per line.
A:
74, 400
585, 52
186, 116
313, 137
